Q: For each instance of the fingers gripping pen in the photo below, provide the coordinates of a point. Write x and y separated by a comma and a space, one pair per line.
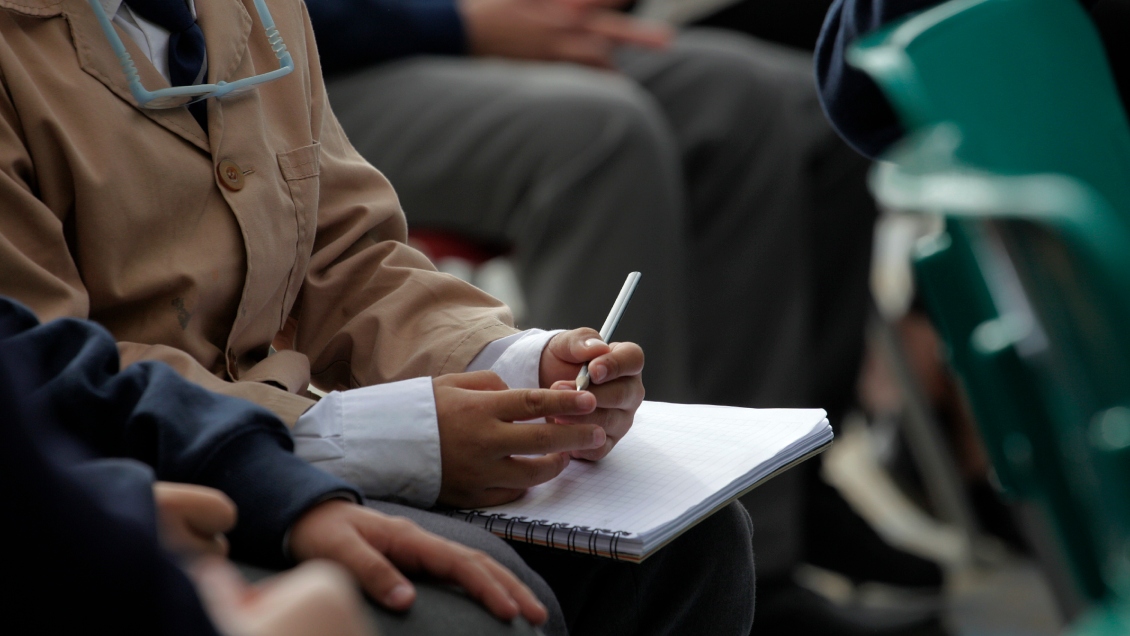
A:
610, 323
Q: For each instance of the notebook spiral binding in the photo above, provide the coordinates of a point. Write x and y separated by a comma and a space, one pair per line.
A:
563, 536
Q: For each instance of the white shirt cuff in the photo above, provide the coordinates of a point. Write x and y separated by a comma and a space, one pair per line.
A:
516, 358
384, 439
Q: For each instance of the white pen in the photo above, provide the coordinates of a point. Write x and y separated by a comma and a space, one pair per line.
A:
610, 323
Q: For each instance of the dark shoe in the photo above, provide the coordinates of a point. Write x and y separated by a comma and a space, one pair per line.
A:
838, 539
793, 610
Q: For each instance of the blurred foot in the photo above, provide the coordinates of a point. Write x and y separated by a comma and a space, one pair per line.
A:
787, 608
838, 539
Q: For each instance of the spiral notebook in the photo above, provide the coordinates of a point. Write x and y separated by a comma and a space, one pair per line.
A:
678, 465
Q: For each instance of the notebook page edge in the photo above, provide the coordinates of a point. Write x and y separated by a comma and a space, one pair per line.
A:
728, 494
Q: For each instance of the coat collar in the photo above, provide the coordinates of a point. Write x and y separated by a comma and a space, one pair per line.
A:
40, 8
226, 25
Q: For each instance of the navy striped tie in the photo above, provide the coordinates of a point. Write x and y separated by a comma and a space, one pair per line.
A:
186, 45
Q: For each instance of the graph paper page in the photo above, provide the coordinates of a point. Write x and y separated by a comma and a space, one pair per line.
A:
675, 457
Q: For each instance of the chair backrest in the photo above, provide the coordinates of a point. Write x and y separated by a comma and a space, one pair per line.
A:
1018, 137
1026, 80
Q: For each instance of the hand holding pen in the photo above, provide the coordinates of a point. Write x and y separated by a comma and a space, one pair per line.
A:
613, 372
611, 321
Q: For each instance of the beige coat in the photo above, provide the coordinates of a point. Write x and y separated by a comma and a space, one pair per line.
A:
124, 215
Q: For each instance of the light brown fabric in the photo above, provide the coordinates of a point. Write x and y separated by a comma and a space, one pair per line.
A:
116, 213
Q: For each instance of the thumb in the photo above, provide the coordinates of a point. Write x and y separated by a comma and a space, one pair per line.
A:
577, 346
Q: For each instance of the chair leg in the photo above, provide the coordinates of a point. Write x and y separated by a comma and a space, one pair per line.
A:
924, 436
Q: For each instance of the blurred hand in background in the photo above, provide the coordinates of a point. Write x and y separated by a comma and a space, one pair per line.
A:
579, 31
317, 598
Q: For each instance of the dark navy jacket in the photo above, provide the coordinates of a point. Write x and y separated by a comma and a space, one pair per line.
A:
854, 104
355, 33
80, 538
81, 442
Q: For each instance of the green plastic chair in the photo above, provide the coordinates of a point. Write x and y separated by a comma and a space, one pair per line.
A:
1018, 138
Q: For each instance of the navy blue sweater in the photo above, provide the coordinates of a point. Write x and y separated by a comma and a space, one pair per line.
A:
68, 373
82, 554
853, 103
355, 33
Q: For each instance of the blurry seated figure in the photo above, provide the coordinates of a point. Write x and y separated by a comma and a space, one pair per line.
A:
97, 535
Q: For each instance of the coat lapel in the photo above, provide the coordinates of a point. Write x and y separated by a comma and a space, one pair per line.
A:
226, 27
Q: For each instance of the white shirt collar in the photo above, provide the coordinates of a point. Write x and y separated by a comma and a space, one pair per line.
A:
110, 7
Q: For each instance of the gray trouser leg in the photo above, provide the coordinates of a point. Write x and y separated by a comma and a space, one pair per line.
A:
701, 583
780, 241
573, 167
780, 219
738, 114
468, 613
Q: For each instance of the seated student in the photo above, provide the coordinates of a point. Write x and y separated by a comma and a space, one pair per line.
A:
78, 495
197, 235
853, 102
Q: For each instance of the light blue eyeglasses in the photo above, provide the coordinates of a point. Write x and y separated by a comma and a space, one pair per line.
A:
183, 95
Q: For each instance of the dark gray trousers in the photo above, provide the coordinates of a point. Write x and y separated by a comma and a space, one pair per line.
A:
709, 167
701, 583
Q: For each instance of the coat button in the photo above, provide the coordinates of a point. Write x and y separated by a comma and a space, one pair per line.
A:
230, 175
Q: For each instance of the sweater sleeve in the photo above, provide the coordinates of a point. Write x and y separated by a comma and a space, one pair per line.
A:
86, 532
355, 33
186, 434
855, 106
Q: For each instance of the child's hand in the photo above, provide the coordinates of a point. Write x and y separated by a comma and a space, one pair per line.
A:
490, 460
372, 546
614, 374
193, 519
315, 599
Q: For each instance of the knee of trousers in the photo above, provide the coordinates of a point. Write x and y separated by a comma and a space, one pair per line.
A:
718, 566
740, 79
586, 116
732, 534
722, 549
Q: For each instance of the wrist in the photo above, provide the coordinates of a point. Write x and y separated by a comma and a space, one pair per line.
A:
545, 363
342, 496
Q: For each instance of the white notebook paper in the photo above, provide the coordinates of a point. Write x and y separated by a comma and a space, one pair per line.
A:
677, 465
